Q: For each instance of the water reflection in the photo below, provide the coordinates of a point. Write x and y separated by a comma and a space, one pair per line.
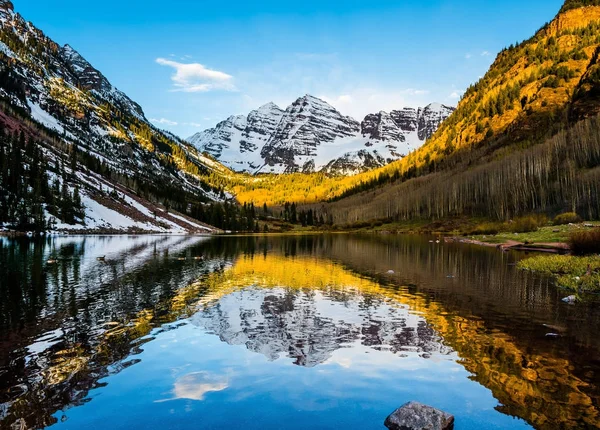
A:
194, 386
306, 309
315, 302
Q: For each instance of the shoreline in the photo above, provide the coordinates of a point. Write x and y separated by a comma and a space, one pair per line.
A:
448, 237
512, 245
74, 233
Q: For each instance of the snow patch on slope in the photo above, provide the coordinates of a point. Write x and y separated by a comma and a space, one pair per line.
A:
44, 118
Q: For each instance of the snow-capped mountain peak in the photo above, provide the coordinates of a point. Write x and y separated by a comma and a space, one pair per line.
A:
268, 107
311, 135
6, 5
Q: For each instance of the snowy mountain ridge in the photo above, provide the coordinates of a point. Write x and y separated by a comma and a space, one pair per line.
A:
311, 135
93, 139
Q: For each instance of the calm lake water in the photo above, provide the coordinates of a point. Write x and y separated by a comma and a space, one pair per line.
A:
286, 333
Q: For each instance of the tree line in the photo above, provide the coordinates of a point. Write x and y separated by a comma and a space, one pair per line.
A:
32, 192
561, 174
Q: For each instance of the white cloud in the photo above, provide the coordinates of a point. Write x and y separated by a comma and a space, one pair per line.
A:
455, 95
345, 98
485, 54
163, 121
413, 92
468, 56
195, 78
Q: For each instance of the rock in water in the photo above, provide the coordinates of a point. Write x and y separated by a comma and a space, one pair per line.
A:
417, 416
571, 299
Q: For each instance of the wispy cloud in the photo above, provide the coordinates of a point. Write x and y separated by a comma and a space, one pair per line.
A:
163, 121
415, 92
195, 78
468, 56
486, 54
455, 95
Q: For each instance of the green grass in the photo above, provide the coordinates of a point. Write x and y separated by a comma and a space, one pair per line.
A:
551, 234
578, 274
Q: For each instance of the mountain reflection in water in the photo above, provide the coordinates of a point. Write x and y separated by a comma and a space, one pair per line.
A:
78, 329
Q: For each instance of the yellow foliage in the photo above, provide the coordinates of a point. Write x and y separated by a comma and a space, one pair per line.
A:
519, 67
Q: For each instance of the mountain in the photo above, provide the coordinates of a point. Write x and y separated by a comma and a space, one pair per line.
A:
524, 139
311, 135
92, 141
238, 141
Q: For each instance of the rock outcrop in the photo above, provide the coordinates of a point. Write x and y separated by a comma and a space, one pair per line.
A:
417, 416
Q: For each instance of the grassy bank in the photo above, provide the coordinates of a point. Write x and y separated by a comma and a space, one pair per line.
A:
547, 234
539, 231
577, 274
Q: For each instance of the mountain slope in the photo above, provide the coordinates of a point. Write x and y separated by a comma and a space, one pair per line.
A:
531, 90
525, 138
310, 136
238, 141
87, 129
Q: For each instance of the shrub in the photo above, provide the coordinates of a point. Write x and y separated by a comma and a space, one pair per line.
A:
528, 224
567, 218
585, 242
485, 228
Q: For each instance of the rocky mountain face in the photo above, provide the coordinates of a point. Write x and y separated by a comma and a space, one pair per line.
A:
93, 136
238, 140
311, 135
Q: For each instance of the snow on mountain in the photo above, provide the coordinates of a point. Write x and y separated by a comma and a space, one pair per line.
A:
64, 104
237, 142
430, 118
311, 135
308, 126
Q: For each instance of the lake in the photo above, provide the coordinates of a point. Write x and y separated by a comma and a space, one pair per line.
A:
286, 332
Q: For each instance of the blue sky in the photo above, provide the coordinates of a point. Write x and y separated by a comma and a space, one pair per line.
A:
191, 63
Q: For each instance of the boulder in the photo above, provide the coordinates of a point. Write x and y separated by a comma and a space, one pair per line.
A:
417, 416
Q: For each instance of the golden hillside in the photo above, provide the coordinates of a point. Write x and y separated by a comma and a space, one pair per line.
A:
526, 92
531, 92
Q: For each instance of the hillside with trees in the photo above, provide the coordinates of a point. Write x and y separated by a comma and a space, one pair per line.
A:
76, 153
523, 139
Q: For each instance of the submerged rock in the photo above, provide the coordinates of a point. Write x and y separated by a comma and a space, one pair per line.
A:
417, 416
570, 299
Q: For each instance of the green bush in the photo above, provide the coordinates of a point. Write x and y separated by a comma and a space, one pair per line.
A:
487, 228
567, 218
585, 242
528, 224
